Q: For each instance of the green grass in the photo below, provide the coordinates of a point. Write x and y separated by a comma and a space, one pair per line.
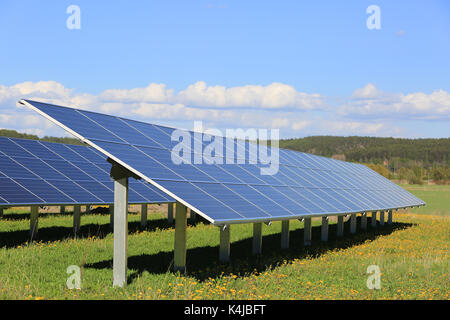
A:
413, 257
437, 198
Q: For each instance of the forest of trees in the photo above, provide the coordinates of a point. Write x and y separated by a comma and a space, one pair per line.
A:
408, 160
15, 134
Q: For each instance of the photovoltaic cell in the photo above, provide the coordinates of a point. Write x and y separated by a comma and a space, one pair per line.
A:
305, 185
12, 192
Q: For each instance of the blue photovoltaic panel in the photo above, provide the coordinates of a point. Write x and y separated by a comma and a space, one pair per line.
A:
38, 172
303, 185
12, 192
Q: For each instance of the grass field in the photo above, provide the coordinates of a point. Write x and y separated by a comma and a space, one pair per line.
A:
437, 198
412, 254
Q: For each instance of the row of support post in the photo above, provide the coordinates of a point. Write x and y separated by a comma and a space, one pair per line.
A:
224, 251
225, 240
34, 217
121, 175
257, 233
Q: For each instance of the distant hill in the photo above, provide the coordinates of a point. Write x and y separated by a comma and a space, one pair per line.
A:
391, 152
15, 134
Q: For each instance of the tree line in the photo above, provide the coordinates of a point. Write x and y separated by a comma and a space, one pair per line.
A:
407, 160
15, 134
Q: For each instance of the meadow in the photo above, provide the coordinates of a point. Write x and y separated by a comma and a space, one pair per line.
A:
412, 254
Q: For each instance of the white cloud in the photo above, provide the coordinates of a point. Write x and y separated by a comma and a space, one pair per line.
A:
299, 125
152, 93
371, 102
273, 96
368, 92
32, 120
5, 118
159, 110
35, 131
276, 105
359, 128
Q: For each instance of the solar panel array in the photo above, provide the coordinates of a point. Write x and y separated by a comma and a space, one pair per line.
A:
39, 172
305, 185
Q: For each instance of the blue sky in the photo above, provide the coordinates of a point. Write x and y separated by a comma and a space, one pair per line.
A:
334, 75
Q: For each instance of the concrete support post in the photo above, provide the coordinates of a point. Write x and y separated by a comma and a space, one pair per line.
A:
170, 213
340, 226
144, 214
324, 229
390, 217
111, 216
285, 234
62, 209
307, 232
374, 219
180, 238
381, 218
353, 223
120, 231
224, 253
193, 216
34, 215
257, 238
364, 221
1, 212
76, 219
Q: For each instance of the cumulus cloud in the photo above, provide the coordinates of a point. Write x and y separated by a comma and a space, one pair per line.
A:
368, 92
276, 105
152, 93
273, 96
359, 128
258, 106
371, 102
199, 94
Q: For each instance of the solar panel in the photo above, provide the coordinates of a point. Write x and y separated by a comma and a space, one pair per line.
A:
39, 172
305, 185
